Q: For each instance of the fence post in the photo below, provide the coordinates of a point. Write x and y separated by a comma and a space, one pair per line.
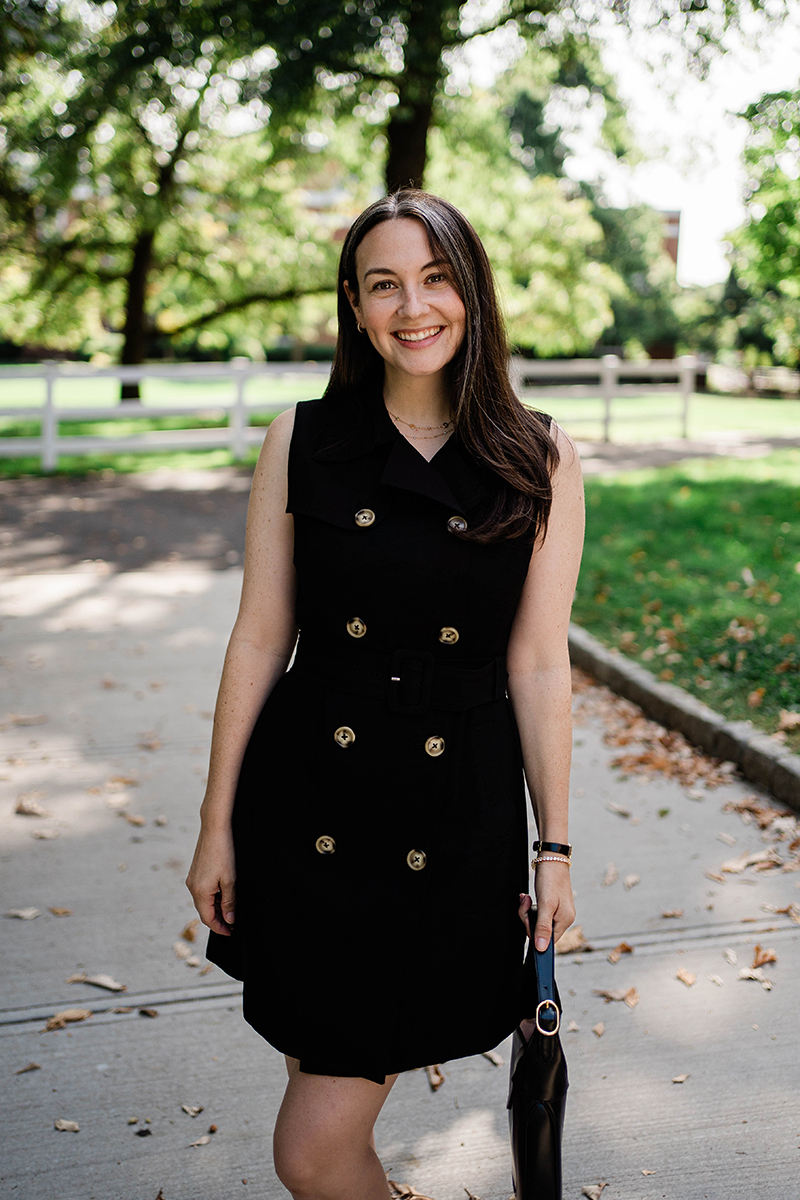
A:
687, 374
238, 419
608, 384
49, 434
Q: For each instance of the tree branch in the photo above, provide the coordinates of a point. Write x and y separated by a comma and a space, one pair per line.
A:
237, 305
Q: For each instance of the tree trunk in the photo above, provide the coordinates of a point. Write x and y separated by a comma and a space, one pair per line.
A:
134, 348
407, 135
427, 23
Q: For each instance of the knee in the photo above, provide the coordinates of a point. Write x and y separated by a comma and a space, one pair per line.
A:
302, 1168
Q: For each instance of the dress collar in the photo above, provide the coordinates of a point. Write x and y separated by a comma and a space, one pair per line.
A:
450, 478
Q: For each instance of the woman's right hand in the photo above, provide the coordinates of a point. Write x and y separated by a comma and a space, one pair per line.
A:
212, 880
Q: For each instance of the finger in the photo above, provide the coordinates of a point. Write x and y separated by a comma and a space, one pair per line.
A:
525, 905
544, 928
227, 902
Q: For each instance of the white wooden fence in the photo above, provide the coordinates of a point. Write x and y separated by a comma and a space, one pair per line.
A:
591, 377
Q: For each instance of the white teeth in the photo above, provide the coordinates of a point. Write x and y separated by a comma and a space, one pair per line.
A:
418, 337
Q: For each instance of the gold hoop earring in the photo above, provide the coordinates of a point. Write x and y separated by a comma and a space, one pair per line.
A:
360, 327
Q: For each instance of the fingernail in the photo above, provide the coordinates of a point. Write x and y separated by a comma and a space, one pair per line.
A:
542, 943
229, 918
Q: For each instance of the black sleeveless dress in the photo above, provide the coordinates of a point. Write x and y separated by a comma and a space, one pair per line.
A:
379, 822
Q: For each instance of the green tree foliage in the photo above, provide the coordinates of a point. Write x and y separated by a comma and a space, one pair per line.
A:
538, 231
766, 255
145, 190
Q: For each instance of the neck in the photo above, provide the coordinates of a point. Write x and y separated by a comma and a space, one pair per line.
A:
425, 400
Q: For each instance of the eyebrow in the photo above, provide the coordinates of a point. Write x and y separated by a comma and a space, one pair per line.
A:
439, 262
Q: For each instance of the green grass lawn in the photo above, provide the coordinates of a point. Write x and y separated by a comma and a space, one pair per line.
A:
694, 570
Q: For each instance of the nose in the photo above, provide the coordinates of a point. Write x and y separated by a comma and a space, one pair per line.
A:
413, 303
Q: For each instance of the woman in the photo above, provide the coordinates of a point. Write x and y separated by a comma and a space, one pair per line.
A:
377, 835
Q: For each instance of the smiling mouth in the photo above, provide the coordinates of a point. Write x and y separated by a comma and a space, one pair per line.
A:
417, 335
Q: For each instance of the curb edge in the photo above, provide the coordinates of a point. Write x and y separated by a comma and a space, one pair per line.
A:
759, 759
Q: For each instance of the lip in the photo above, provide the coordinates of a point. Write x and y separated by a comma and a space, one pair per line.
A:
421, 342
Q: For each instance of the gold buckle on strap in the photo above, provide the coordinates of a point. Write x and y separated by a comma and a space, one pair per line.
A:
548, 1004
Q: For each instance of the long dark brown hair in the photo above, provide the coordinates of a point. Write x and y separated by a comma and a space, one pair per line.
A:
495, 428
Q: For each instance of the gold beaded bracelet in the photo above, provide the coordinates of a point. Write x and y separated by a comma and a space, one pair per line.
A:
550, 858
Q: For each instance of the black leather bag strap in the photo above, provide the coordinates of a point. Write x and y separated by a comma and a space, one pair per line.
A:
542, 995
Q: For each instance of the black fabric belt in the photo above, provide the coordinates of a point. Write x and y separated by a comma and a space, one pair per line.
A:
410, 681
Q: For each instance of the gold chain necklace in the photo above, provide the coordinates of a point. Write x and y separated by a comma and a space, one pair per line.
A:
410, 425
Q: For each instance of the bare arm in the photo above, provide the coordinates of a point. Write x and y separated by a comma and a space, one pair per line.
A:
258, 653
539, 685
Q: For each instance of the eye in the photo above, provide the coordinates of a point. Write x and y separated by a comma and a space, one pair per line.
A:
383, 285
437, 278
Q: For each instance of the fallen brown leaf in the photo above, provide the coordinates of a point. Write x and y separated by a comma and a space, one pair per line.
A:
593, 1190
789, 719
149, 741
66, 1015
213, 1128
715, 876
618, 809
630, 881
201, 1141
686, 977
189, 932
573, 1027
404, 1191
599, 1029
629, 996
123, 1008
32, 1066
38, 719
435, 1076
60, 912
758, 975
756, 697
64, 1126
730, 956
648, 1172
46, 835
24, 914
134, 818
718, 980
618, 951
101, 981
494, 1058
680, 1078
28, 805
611, 875
193, 1110
118, 783
572, 941
672, 912
790, 910
761, 957
148, 1012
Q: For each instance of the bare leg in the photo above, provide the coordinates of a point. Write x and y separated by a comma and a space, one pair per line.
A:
324, 1141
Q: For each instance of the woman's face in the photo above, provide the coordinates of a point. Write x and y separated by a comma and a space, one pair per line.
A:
411, 312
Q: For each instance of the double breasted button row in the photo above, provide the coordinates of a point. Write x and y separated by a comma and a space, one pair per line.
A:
448, 634
344, 737
416, 859
365, 517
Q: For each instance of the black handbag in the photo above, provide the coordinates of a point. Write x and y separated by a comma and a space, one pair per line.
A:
537, 1094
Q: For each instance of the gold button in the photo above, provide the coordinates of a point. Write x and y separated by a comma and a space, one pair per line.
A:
434, 746
364, 517
356, 627
416, 859
325, 844
344, 736
448, 635
457, 525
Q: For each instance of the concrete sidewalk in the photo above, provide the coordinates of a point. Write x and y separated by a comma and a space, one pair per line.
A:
109, 681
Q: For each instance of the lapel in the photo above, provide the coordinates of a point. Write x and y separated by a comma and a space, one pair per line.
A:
449, 479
